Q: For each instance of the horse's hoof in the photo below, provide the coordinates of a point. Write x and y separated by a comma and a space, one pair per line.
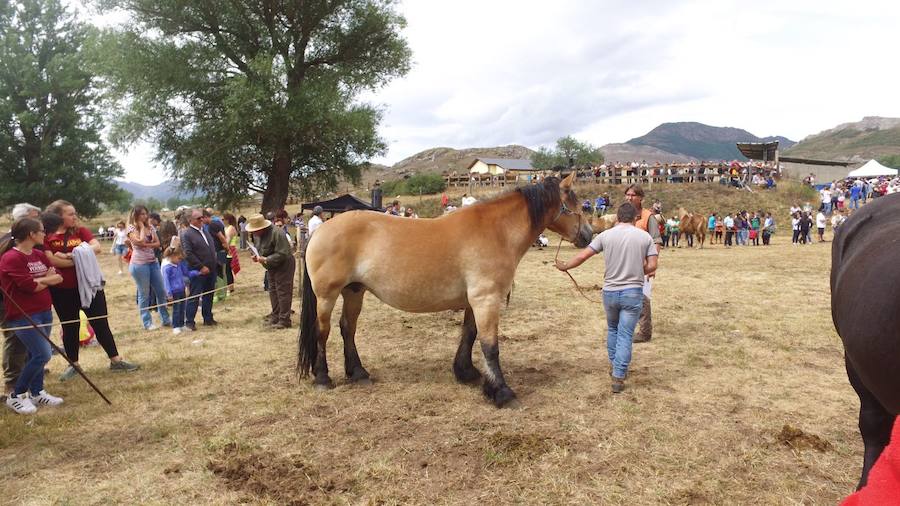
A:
499, 396
513, 404
321, 387
363, 382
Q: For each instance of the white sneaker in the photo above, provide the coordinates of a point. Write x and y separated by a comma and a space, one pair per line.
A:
186, 329
45, 399
152, 326
176, 330
21, 404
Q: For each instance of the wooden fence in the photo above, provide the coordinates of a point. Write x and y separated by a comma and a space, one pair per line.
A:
671, 173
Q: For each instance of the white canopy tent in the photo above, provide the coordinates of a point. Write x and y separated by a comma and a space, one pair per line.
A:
872, 169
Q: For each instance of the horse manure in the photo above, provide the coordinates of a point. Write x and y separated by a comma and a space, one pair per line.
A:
799, 440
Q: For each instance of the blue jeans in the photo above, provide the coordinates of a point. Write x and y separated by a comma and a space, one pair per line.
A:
854, 203
201, 284
178, 310
623, 308
32, 376
145, 276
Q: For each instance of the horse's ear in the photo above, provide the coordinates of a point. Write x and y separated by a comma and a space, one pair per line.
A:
568, 181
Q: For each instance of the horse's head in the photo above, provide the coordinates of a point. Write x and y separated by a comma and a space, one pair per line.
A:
570, 222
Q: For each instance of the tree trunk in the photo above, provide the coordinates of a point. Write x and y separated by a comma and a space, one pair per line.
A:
276, 193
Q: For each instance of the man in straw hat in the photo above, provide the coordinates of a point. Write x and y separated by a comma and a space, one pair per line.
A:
275, 254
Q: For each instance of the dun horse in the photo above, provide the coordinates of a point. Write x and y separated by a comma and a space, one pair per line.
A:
692, 224
464, 260
601, 223
865, 288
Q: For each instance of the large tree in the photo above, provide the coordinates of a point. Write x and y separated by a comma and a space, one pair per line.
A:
50, 145
243, 95
569, 151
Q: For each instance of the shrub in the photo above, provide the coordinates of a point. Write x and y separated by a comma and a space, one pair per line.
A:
425, 184
420, 184
393, 188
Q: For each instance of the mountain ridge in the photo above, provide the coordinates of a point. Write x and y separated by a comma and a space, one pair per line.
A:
161, 192
872, 137
700, 141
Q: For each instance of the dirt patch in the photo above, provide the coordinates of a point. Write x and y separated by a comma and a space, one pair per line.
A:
172, 469
689, 496
799, 440
284, 479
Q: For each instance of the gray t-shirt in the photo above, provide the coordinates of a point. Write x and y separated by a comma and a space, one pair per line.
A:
624, 249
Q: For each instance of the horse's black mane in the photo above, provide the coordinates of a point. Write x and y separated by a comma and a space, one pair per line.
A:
541, 198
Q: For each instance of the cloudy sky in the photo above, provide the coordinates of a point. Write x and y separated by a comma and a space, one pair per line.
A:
490, 72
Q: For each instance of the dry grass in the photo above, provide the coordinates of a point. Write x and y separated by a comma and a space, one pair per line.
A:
741, 398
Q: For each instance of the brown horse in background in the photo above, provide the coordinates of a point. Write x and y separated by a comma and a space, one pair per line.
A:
865, 288
466, 259
601, 223
692, 224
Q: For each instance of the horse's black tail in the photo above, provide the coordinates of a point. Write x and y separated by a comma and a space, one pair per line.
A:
309, 328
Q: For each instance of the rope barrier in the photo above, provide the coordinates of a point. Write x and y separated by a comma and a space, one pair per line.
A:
25, 327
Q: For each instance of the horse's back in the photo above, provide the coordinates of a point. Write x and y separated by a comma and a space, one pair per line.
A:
410, 264
865, 291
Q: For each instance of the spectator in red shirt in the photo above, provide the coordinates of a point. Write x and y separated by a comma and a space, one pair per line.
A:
25, 275
58, 246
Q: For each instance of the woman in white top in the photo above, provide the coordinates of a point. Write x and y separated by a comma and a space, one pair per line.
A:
119, 247
144, 268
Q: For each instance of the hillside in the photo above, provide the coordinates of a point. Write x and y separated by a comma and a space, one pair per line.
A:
699, 141
621, 152
440, 160
161, 192
704, 198
873, 137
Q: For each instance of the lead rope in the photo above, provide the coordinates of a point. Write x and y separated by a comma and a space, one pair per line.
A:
573, 279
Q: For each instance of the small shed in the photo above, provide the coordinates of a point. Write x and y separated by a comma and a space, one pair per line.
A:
345, 202
501, 166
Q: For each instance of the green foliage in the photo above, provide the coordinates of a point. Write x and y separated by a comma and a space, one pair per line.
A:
393, 188
568, 148
50, 144
419, 184
892, 161
253, 96
151, 203
425, 184
123, 203
176, 202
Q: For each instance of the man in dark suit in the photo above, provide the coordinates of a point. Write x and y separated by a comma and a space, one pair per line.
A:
200, 253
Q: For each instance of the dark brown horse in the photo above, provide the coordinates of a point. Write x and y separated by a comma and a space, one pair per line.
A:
463, 260
865, 290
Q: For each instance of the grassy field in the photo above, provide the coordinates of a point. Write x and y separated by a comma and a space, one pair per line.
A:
741, 398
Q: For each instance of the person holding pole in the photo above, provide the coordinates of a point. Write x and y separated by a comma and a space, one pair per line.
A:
14, 352
25, 275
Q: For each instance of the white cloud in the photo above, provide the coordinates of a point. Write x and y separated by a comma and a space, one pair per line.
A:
528, 72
